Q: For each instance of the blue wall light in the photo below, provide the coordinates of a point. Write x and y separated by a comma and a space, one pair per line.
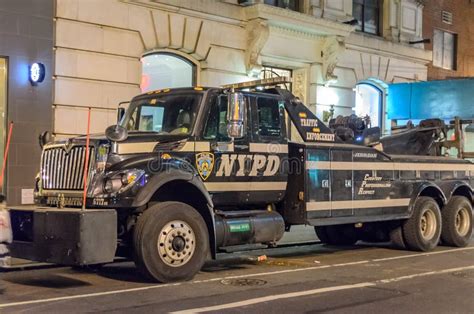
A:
37, 73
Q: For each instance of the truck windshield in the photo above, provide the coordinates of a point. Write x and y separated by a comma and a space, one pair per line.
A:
167, 114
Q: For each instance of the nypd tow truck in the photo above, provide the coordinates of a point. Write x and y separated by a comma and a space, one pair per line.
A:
187, 173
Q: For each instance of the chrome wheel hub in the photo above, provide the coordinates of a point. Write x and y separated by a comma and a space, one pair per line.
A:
428, 224
176, 243
461, 221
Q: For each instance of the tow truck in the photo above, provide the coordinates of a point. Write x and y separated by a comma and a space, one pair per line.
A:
190, 172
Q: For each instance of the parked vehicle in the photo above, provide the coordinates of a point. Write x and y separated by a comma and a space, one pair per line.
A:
189, 172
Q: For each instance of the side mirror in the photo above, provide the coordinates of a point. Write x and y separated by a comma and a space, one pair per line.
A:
120, 114
45, 138
116, 133
236, 115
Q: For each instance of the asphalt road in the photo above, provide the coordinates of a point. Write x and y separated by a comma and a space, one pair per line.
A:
307, 278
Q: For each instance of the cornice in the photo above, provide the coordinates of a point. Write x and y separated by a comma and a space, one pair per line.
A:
295, 33
296, 21
371, 44
220, 12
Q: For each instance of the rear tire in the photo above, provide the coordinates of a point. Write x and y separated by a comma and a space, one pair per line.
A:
171, 242
457, 222
422, 230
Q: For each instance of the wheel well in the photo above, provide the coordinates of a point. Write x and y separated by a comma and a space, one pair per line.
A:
435, 194
464, 191
185, 192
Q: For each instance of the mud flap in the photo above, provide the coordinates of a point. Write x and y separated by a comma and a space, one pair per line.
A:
65, 236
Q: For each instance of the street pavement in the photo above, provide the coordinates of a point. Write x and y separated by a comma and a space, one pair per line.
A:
313, 277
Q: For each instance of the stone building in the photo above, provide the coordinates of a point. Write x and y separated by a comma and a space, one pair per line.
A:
97, 53
449, 25
102, 48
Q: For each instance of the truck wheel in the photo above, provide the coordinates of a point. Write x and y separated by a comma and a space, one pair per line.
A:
342, 235
422, 230
322, 234
457, 222
171, 242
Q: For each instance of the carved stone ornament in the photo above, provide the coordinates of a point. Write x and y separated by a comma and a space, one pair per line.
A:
257, 36
333, 46
299, 84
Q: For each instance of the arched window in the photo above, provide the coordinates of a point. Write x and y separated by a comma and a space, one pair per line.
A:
166, 70
369, 102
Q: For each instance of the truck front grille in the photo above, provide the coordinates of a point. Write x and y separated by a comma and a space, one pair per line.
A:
64, 170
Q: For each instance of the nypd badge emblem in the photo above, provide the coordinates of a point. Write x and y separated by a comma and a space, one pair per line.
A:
204, 164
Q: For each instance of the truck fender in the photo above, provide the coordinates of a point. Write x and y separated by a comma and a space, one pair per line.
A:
428, 189
159, 180
450, 189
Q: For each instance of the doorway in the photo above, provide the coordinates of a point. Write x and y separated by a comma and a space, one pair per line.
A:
369, 102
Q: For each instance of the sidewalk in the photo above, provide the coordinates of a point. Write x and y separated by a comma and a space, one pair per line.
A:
16, 263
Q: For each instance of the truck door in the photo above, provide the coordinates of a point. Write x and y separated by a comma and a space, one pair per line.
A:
269, 148
342, 179
229, 181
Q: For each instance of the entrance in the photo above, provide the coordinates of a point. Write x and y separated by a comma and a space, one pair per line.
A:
3, 106
370, 99
369, 102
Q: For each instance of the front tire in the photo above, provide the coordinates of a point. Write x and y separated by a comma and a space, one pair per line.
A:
171, 242
457, 222
422, 230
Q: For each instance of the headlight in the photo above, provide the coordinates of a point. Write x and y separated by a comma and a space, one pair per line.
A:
121, 181
112, 185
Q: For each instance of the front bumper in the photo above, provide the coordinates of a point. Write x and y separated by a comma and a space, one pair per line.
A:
67, 236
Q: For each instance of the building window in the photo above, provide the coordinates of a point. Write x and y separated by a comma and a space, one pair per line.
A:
367, 14
287, 4
269, 123
166, 70
216, 126
444, 49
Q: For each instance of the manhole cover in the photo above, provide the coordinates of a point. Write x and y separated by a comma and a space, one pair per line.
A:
243, 282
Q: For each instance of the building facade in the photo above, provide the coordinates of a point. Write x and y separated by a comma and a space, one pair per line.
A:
449, 25
339, 53
26, 37
102, 48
